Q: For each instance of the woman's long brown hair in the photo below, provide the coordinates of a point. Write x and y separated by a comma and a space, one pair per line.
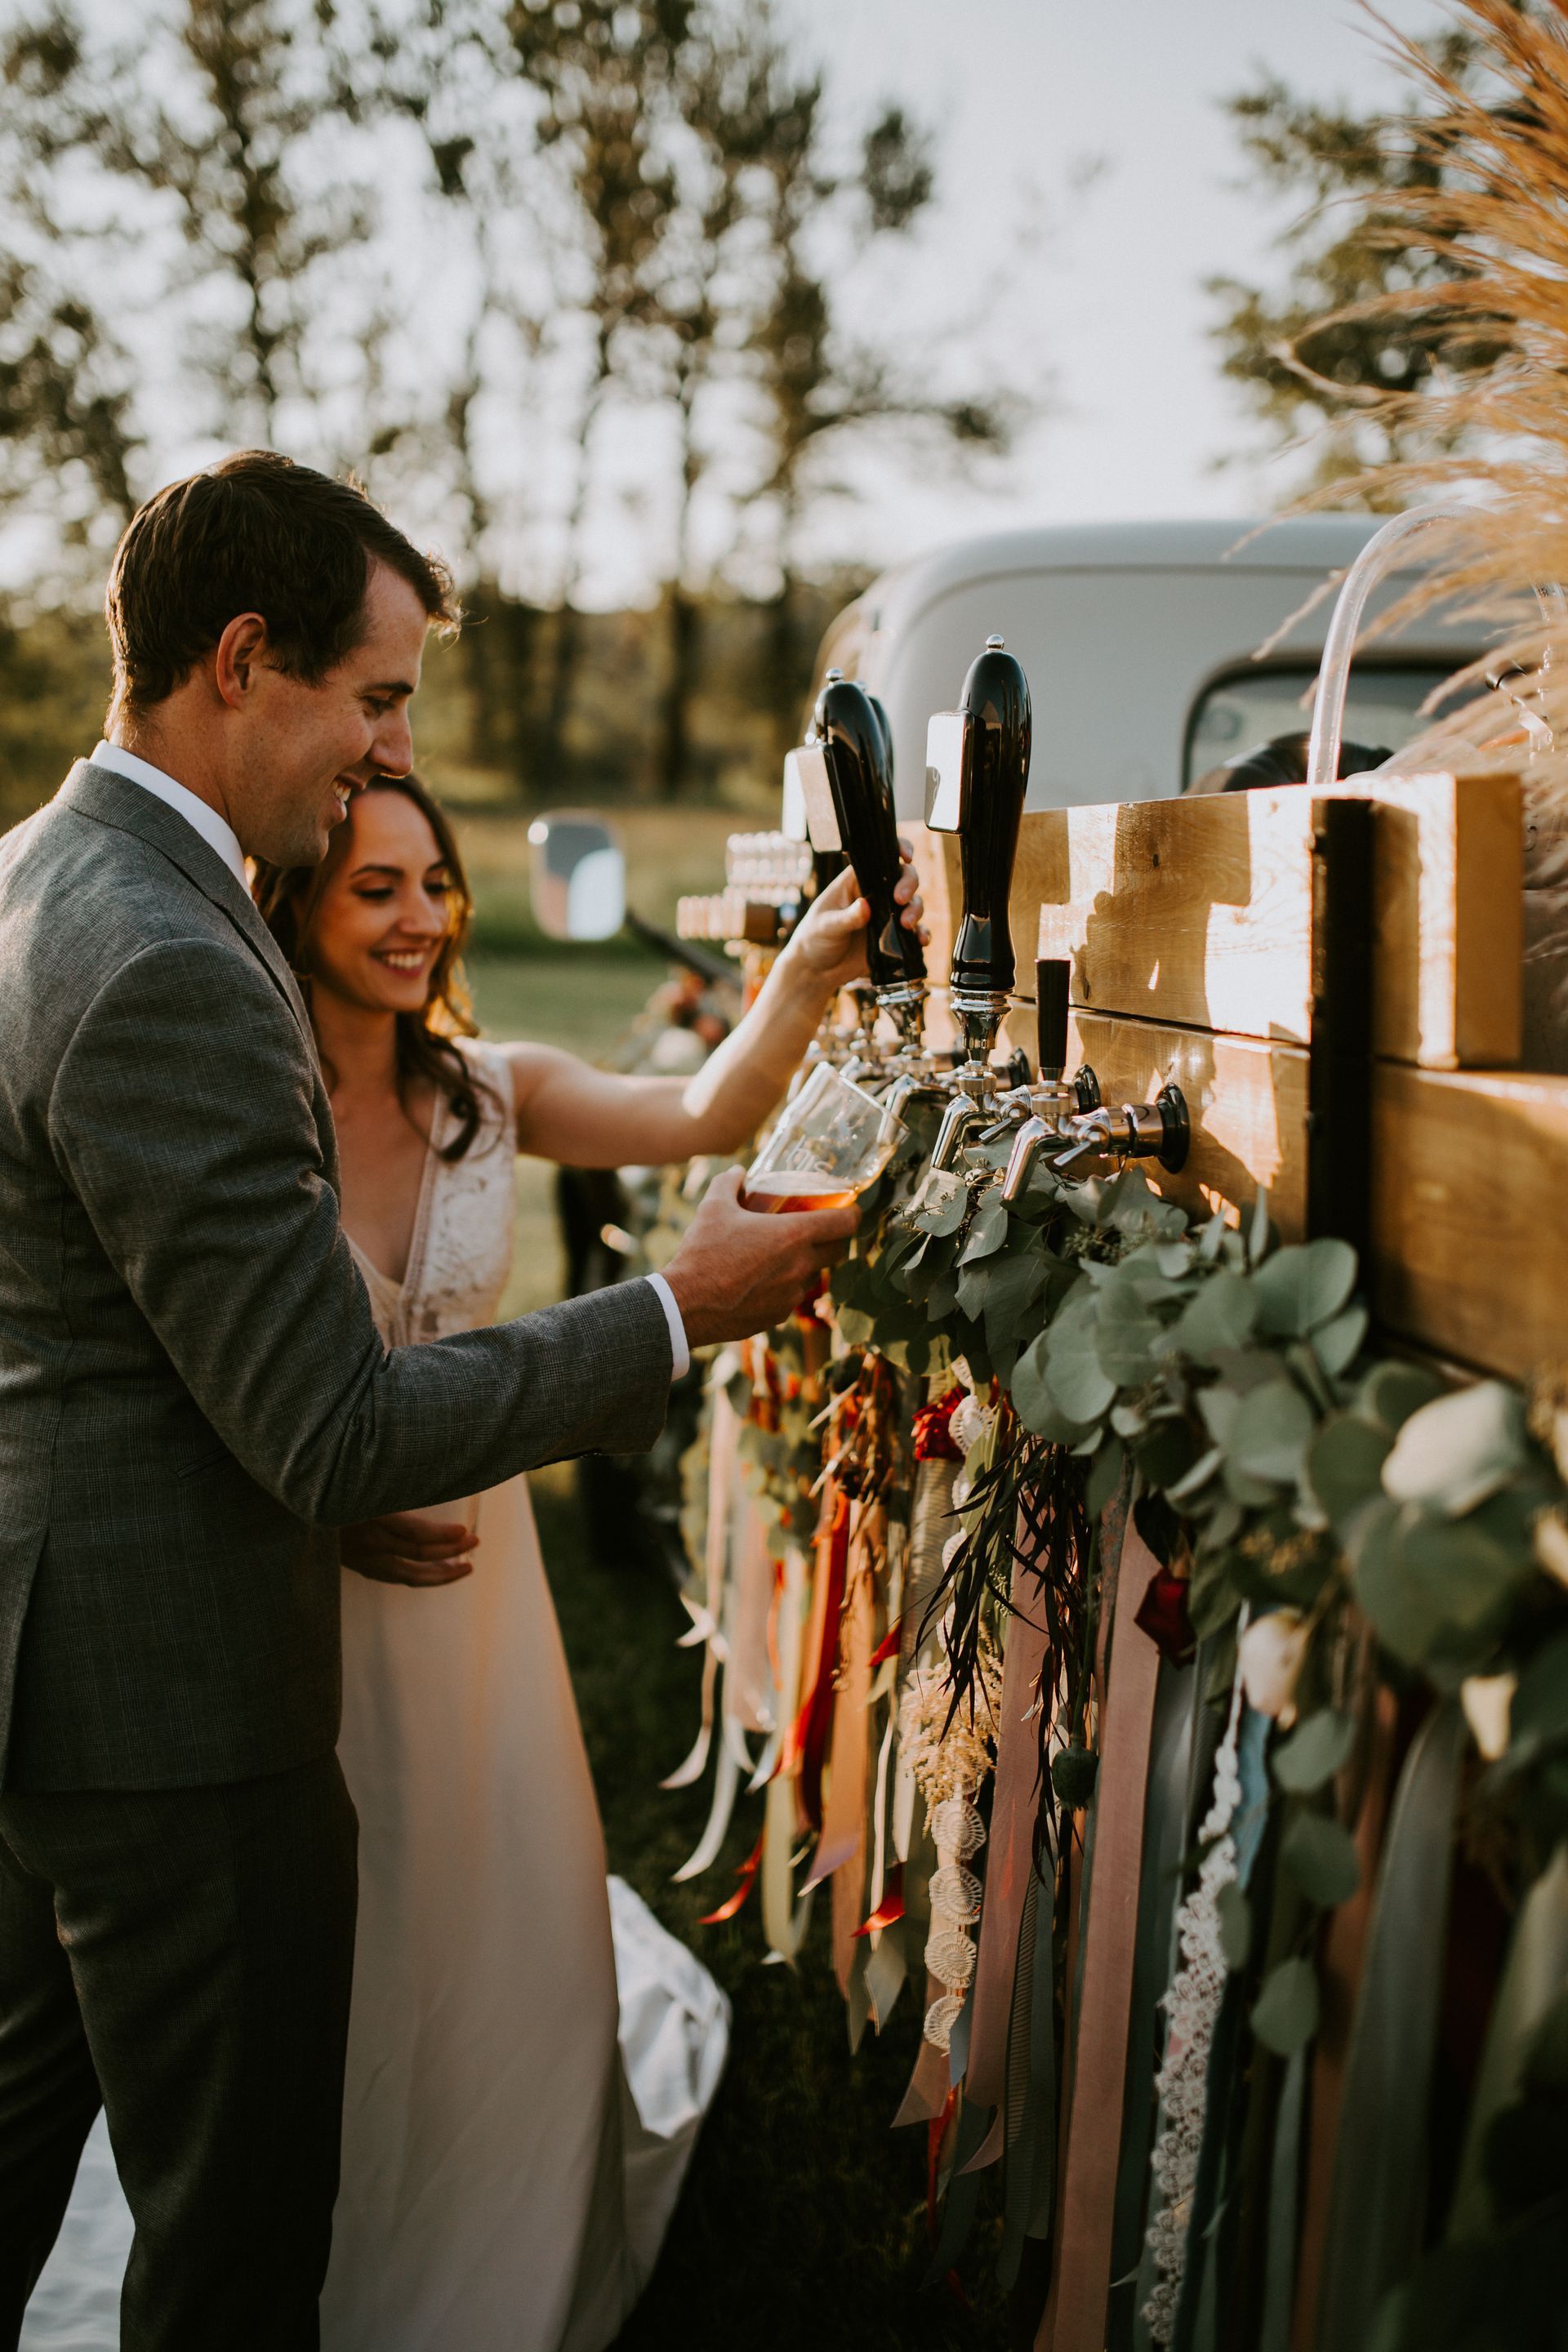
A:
290, 899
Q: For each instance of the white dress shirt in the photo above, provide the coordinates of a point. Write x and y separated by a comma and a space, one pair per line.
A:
214, 830
220, 835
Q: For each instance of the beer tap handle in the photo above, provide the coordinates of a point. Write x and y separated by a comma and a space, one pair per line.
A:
858, 748
1053, 976
978, 775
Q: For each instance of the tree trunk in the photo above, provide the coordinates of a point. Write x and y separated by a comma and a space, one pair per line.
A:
567, 635
680, 684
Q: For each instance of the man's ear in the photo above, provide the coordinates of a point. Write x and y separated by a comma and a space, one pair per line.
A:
239, 655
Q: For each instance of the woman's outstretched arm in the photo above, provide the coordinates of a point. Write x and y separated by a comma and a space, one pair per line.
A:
566, 1110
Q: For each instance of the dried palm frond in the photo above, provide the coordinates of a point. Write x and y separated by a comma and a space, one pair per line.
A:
1497, 432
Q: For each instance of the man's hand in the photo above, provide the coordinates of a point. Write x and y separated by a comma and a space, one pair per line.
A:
738, 1271
831, 941
408, 1547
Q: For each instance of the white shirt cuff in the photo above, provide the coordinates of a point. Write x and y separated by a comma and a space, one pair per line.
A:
680, 1354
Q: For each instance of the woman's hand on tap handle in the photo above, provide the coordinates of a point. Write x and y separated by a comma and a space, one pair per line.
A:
831, 941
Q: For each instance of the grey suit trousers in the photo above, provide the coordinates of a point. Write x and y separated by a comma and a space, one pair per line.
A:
191, 1949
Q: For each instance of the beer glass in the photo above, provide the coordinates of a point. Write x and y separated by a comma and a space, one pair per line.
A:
829, 1145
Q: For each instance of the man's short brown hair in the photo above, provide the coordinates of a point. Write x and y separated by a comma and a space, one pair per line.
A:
254, 533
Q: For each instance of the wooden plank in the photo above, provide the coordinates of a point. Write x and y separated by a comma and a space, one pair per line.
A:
1039, 872
1469, 1241
1199, 911
1246, 1097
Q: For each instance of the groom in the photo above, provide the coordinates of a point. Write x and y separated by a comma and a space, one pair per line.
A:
193, 1396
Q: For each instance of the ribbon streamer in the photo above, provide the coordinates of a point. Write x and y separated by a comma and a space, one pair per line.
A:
1380, 2173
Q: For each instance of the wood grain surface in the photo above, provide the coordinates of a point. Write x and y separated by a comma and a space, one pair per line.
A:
1199, 912
1469, 1239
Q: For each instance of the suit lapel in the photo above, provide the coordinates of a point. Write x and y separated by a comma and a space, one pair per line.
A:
112, 800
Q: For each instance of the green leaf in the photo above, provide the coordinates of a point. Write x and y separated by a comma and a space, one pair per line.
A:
1268, 1436
942, 1296
1174, 1259
1125, 1344
940, 1205
1344, 1465
853, 1326
1463, 1573
1033, 1401
974, 1282
1540, 1710
1105, 1476
988, 1231
1258, 1229
1402, 1615
1217, 1319
1314, 1751
1338, 1343
1285, 2014
1321, 1858
1196, 1477
1303, 1285
1078, 1381
1015, 1282
1219, 1406
1235, 1925
1165, 1453
1210, 1239
1457, 1451
1391, 1392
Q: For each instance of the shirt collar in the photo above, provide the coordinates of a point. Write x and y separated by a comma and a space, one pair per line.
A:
214, 830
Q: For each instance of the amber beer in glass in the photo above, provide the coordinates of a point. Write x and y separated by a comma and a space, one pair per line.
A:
781, 1190
829, 1146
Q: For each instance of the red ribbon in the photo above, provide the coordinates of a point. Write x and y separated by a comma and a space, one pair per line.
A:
891, 1906
934, 1437
816, 1720
747, 1874
1163, 1615
888, 1647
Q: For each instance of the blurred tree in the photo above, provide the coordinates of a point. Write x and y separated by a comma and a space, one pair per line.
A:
605, 70
1299, 359
67, 441
202, 120
723, 88
819, 381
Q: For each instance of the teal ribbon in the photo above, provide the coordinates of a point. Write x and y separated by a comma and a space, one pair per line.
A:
1284, 2209
963, 2192
1532, 1977
1377, 2202
1029, 2113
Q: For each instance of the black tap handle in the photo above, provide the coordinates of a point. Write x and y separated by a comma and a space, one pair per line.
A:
996, 707
1052, 976
853, 730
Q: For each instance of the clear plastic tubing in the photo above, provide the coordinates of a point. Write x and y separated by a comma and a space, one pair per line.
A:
1384, 551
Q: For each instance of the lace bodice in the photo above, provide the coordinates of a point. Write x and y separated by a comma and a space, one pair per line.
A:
460, 1255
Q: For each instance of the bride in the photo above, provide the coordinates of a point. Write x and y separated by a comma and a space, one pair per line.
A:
497, 2189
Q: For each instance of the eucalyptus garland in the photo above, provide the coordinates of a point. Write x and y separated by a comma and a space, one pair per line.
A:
1282, 1465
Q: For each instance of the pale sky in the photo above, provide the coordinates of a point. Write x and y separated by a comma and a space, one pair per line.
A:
1112, 299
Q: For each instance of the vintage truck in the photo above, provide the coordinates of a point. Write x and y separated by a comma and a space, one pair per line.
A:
1141, 646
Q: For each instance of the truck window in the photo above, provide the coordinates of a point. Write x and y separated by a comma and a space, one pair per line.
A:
1247, 709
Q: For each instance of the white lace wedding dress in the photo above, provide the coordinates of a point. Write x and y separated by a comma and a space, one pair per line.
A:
510, 2162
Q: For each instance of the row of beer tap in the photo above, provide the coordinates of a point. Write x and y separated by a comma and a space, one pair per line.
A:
838, 808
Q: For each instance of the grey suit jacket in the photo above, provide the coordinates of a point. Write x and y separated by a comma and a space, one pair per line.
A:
193, 1392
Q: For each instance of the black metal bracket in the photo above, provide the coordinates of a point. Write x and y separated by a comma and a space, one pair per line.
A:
1339, 1062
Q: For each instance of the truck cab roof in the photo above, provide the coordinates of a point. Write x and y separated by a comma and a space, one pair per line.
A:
1141, 642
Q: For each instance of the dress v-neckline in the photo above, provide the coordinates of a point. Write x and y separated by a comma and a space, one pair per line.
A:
399, 1291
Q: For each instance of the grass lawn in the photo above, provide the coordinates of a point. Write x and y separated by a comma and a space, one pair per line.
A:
802, 2227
